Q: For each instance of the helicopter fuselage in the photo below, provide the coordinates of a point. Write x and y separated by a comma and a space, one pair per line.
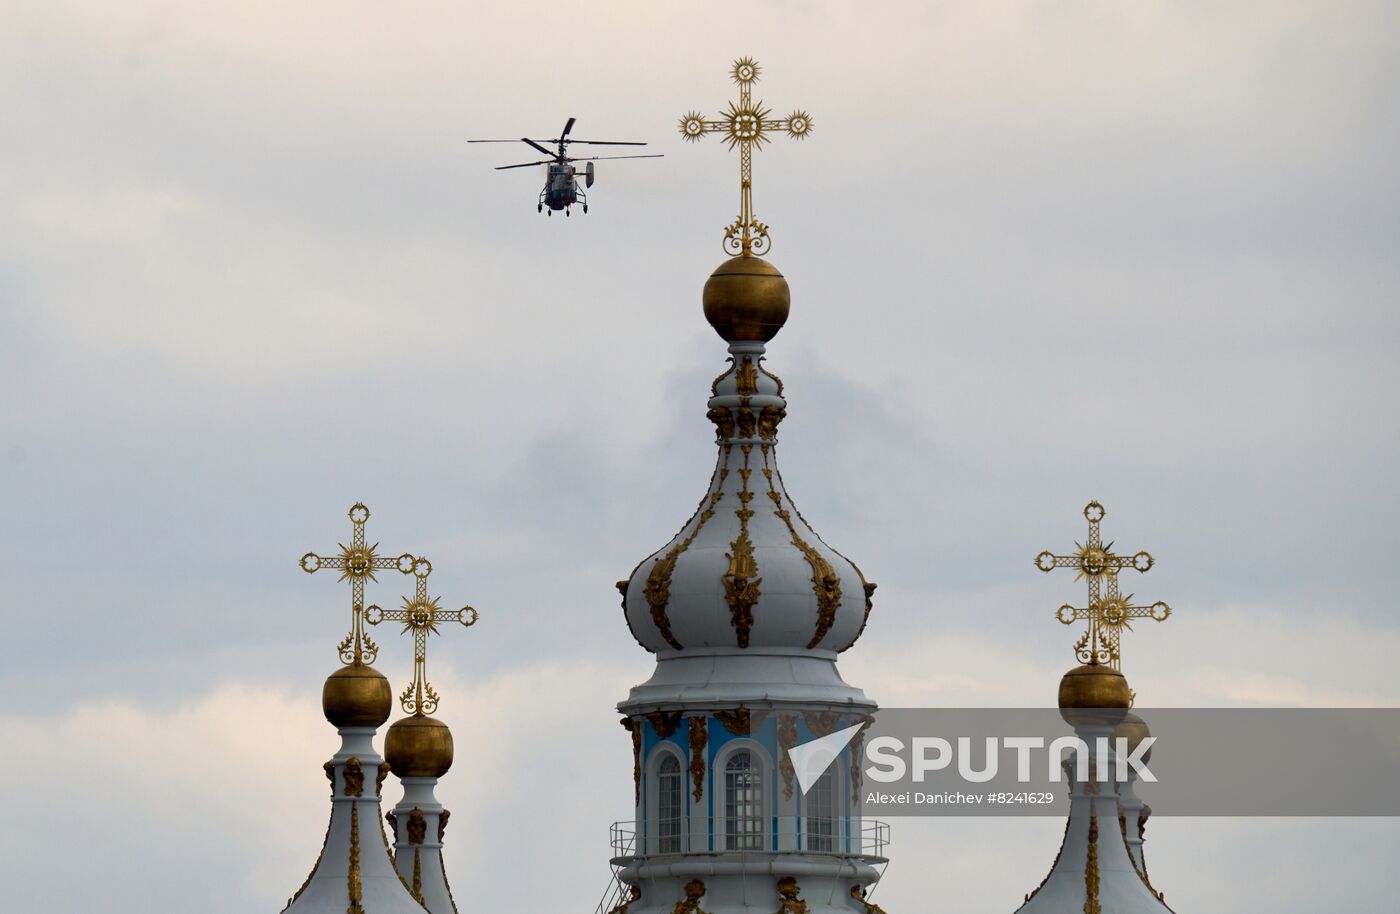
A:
560, 187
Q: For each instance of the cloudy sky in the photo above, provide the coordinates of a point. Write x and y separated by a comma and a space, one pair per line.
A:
1040, 253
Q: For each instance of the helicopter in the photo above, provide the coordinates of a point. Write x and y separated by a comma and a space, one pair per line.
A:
561, 190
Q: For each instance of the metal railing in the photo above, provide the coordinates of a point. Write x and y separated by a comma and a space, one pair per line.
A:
852, 836
623, 842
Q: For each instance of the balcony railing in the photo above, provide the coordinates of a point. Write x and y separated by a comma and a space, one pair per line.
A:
843, 836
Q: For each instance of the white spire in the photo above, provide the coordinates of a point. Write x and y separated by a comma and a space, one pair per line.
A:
419, 822
354, 874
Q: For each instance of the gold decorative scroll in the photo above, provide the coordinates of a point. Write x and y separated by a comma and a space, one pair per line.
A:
826, 584
658, 587
741, 721
1091, 868
354, 778
632, 895
787, 738
741, 580
417, 826
694, 891
353, 875
665, 723
789, 891
635, 729
858, 896
699, 738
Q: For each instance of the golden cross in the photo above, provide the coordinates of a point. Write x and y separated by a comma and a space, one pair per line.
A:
421, 616
745, 125
1108, 612
357, 563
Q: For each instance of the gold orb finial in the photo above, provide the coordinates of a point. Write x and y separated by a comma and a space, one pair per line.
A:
418, 747
746, 300
356, 696
1094, 694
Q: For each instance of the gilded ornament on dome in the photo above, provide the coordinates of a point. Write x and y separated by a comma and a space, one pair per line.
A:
788, 892
417, 826
442, 823
826, 584
699, 738
329, 769
787, 739
352, 877
658, 586
634, 893
746, 378
694, 891
379, 778
741, 721
1091, 868
741, 581
821, 723
635, 730
354, 777
858, 895
416, 890
665, 722
768, 421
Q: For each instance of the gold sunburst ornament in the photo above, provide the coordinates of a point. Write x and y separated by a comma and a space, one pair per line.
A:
745, 124
1108, 612
420, 614
357, 563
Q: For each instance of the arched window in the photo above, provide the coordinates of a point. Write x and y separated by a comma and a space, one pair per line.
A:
743, 803
670, 805
821, 813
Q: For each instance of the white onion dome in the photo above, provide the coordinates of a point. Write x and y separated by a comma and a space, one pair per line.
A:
746, 571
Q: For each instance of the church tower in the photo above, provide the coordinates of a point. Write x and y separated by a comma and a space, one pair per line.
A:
1100, 868
354, 873
746, 610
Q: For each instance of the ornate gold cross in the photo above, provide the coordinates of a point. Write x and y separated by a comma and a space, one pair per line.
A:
357, 563
1108, 612
745, 125
421, 616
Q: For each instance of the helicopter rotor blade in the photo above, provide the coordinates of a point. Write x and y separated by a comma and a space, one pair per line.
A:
536, 146
601, 158
608, 142
493, 141
523, 165
567, 127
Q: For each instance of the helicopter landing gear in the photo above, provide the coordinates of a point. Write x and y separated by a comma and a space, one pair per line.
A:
539, 207
551, 212
568, 212
585, 207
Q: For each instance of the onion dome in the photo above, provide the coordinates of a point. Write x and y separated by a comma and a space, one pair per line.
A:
356, 695
746, 571
418, 747
1134, 730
